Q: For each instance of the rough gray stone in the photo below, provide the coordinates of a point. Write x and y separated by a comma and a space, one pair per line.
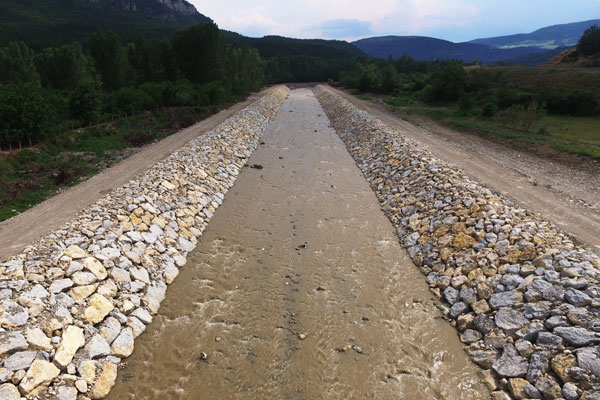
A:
505, 299
588, 359
97, 347
60, 285
549, 388
577, 297
530, 331
533, 392
510, 319
451, 295
569, 390
539, 310
20, 360
510, 364
468, 294
470, 336
483, 324
548, 340
484, 358
578, 337
538, 364
457, 309
12, 314
11, 342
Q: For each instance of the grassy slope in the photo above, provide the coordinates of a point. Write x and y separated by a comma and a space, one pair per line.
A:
568, 134
575, 135
32, 175
534, 78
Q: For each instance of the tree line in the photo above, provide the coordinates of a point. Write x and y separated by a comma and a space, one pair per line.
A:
77, 84
474, 89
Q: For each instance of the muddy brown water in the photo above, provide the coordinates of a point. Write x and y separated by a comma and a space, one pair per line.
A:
299, 289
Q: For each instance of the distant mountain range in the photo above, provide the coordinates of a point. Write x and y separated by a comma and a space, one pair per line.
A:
550, 37
42, 23
526, 49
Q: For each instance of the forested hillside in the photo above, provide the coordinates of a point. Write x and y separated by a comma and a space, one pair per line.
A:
426, 48
43, 92
300, 60
42, 23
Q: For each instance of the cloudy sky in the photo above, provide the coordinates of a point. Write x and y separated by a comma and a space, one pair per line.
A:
456, 20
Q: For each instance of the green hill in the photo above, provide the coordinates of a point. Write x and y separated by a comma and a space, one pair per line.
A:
550, 37
271, 46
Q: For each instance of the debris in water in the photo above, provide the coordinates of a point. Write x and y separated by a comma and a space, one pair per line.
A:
320, 289
262, 142
256, 166
203, 356
357, 349
343, 349
303, 246
302, 336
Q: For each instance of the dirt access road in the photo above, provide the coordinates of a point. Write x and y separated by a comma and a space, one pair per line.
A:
22, 230
299, 289
569, 198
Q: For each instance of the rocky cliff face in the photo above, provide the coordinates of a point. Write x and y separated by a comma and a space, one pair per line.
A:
181, 6
164, 10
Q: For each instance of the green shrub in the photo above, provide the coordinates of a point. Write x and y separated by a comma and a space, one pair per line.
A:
156, 92
129, 100
25, 113
582, 102
448, 83
214, 92
555, 100
507, 97
370, 80
569, 101
86, 100
489, 110
466, 104
589, 44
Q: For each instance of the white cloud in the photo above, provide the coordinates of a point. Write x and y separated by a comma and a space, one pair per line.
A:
298, 18
252, 23
417, 16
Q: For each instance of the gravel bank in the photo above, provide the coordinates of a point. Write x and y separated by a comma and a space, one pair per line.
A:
72, 304
524, 297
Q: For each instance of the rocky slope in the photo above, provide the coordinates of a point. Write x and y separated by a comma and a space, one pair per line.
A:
524, 297
164, 10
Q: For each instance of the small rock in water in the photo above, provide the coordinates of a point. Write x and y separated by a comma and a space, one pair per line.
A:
302, 336
343, 349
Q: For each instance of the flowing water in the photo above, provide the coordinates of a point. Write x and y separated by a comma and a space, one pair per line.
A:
299, 289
